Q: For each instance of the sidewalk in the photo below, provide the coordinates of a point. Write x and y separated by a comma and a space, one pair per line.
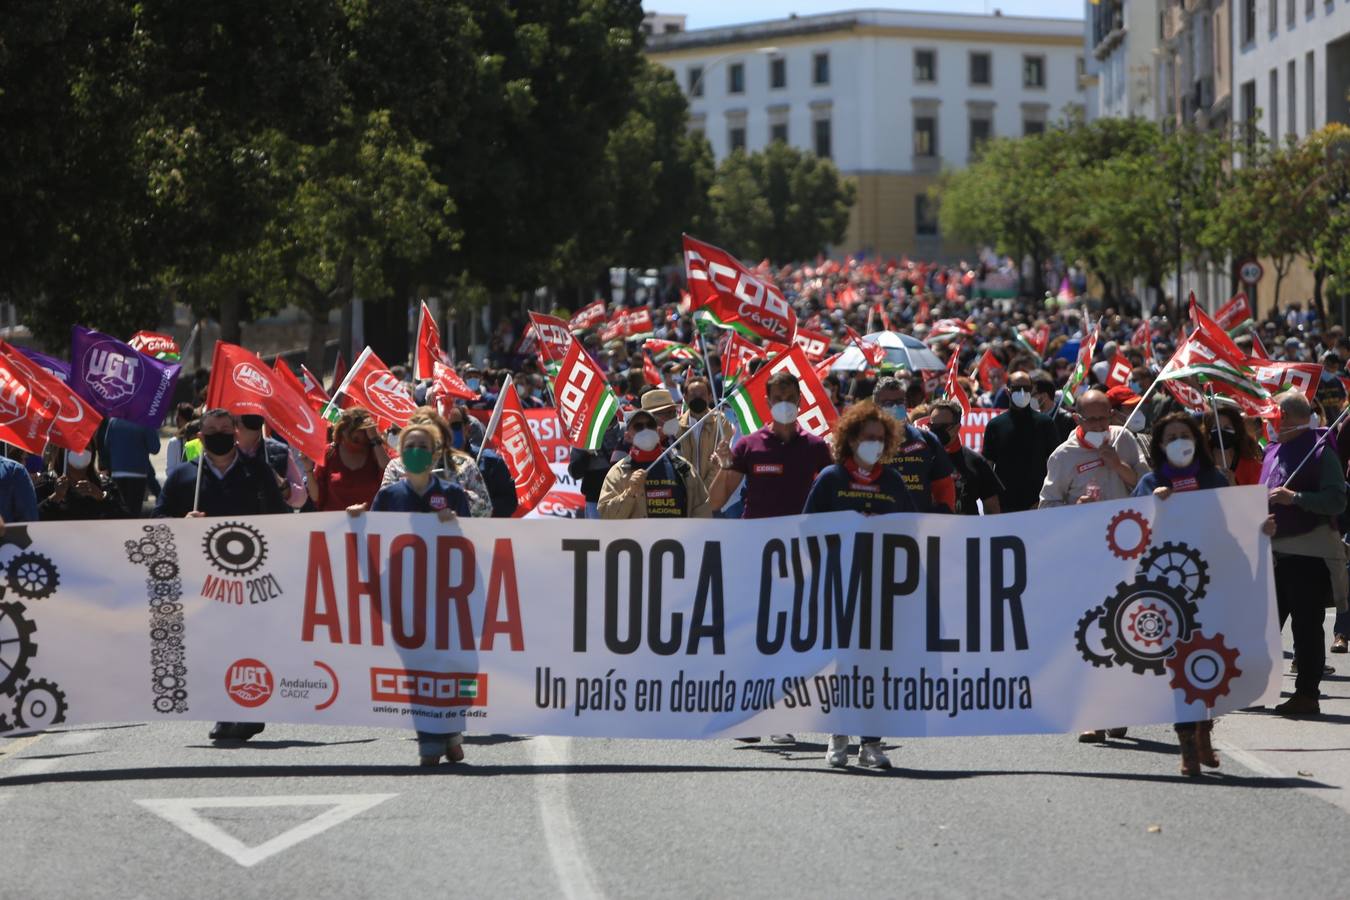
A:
1315, 750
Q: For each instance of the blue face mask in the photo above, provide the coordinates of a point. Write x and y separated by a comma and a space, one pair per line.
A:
473, 384
1136, 387
457, 436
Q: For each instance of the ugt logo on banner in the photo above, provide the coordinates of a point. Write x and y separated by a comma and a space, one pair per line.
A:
110, 373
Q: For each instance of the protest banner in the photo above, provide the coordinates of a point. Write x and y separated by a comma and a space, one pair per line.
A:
900, 625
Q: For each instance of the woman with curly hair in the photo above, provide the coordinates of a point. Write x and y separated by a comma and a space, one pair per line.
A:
859, 481
352, 466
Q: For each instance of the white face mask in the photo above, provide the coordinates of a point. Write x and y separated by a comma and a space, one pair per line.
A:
671, 428
784, 412
896, 411
1021, 398
79, 460
868, 452
646, 440
1180, 452
1096, 438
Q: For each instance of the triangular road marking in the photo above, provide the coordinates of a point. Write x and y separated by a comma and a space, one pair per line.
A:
184, 812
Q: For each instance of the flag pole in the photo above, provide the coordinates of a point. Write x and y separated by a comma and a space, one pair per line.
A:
1218, 427
197, 491
1320, 438
688, 431
496, 416
341, 388
707, 363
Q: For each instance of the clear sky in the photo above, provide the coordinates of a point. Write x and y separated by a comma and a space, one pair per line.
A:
712, 13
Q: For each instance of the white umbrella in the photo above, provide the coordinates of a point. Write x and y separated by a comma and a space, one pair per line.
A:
903, 351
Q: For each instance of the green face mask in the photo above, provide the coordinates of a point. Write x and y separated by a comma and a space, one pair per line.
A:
416, 460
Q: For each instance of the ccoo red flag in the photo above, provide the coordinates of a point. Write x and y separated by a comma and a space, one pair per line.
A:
509, 432
551, 335
76, 421
1119, 373
872, 352
952, 387
243, 384
449, 384
588, 317
733, 296
988, 365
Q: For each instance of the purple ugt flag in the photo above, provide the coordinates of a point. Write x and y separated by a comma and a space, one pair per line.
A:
119, 380
58, 367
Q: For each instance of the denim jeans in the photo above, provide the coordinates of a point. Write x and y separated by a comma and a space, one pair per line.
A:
592, 510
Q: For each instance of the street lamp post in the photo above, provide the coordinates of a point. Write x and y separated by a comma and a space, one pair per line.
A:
1174, 205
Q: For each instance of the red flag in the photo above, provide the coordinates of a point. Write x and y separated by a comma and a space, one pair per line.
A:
815, 345
952, 388
823, 367
637, 322
151, 343
736, 353
880, 309
830, 304
76, 421
733, 296
1119, 373
307, 387
1233, 313
314, 392
339, 372
448, 384
1143, 338
923, 314
1276, 376
371, 385
986, 367
874, 353
588, 317
509, 432
650, 374
552, 337
1258, 348
586, 405
27, 411
750, 404
428, 344
848, 297
1037, 340
614, 328
243, 384
1218, 339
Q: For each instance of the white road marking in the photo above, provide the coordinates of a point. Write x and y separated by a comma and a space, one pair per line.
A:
183, 812
34, 766
14, 746
75, 738
1250, 760
561, 835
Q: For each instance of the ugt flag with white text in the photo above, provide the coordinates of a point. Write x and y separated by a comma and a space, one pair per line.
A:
898, 625
119, 380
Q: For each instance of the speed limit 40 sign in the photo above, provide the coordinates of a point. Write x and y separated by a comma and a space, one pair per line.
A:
1251, 271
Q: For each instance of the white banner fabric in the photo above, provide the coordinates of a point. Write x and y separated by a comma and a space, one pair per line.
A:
1108, 614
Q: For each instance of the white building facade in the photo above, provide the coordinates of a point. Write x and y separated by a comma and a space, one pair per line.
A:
1123, 37
892, 97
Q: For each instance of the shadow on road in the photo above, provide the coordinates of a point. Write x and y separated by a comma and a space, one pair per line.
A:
274, 745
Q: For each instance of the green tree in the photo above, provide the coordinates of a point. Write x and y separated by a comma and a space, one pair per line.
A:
780, 203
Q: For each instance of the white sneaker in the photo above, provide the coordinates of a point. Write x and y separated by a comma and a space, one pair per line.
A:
782, 739
871, 754
837, 753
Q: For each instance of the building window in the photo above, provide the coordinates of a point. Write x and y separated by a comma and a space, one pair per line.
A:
1310, 94
1033, 126
1249, 114
672, 28
820, 68
1080, 67
695, 76
778, 72
1273, 17
981, 127
1291, 119
735, 138
1273, 127
925, 66
1248, 21
778, 132
822, 138
1033, 71
925, 136
925, 218
979, 69
1310, 9
736, 78
1289, 13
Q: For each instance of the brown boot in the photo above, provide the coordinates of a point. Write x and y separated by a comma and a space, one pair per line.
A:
1204, 748
1190, 762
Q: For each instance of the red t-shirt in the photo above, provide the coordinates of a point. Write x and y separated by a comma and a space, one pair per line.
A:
341, 487
778, 475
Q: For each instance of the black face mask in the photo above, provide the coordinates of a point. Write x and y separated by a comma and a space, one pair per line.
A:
942, 432
1229, 439
698, 405
219, 443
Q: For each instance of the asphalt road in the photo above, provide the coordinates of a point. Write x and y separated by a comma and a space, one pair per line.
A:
153, 810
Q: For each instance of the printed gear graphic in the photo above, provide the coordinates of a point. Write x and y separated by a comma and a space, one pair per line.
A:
1149, 625
4, 724
1080, 636
164, 704
32, 575
134, 554
1203, 668
40, 703
1170, 614
235, 548
160, 534
164, 570
165, 590
16, 646
1179, 565
1145, 534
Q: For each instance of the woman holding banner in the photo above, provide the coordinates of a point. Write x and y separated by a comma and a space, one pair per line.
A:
860, 481
454, 465
1182, 462
418, 491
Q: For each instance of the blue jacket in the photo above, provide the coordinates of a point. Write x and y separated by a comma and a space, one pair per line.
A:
127, 447
441, 494
18, 500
